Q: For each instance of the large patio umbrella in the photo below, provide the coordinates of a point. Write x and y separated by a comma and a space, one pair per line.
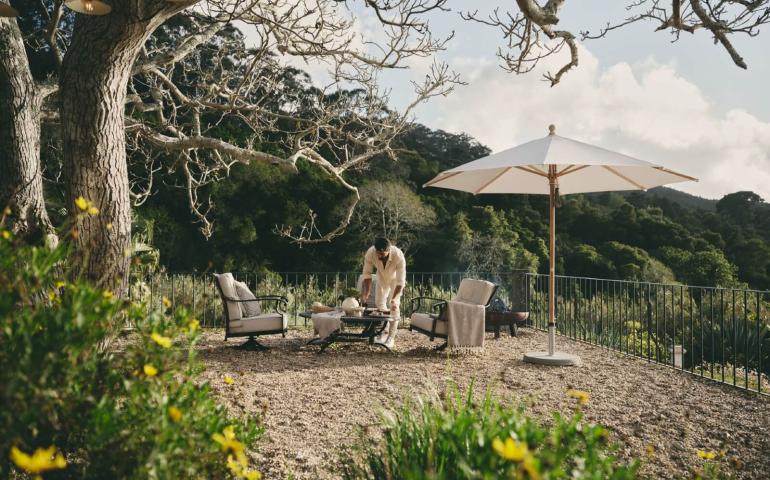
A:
555, 166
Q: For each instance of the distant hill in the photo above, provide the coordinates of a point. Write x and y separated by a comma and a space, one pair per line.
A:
683, 199
674, 196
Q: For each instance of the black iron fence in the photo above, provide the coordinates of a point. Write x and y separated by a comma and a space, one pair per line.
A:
718, 333
198, 293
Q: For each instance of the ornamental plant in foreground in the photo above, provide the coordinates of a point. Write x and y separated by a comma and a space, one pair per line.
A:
80, 401
460, 439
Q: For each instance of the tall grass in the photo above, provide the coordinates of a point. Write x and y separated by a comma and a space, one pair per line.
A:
461, 439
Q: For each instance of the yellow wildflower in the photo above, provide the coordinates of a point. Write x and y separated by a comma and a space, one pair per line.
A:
251, 475
164, 342
149, 370
5, 234
166, 303
511, 449
706, 455
229, 380
93, 211
234, 466
580, 395
194, 325
107, 295
174, 413
82, 203
229, 443
530, 467
60, 284
108, 226
42, 460
650, 450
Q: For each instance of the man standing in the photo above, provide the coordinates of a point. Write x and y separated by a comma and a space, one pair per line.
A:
391, 278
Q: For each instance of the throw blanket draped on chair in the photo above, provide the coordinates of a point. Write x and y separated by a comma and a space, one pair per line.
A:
466, 326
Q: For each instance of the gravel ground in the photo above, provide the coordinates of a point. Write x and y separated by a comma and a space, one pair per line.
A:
315, 405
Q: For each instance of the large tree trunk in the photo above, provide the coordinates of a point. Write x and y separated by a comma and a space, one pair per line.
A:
93, 83
21, 180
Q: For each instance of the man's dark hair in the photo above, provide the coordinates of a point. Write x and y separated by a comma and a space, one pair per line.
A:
381, 243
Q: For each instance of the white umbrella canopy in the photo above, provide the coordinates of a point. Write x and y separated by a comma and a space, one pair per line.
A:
580, 168
552, 166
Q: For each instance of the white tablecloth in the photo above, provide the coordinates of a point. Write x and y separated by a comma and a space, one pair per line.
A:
326, 323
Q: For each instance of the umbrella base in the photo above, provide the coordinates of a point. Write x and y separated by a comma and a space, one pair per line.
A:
558, 359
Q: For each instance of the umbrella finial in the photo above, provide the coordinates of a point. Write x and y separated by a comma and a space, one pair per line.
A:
552, 129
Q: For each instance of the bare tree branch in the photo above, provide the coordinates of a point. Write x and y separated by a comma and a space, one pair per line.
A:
525, 46
181, 95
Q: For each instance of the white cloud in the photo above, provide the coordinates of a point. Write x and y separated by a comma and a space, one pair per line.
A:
645, 110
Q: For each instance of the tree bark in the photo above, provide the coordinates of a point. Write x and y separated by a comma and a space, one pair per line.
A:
93, 83
21, 179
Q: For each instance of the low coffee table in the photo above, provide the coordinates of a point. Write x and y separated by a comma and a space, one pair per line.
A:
513, 320
354, 329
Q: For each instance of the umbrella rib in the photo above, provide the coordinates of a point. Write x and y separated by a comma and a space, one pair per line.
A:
571, 169
492, 180
532, 170
687, 177
436, 180
612, 170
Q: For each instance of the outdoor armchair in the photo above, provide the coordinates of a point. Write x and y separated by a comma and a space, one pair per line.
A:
433, 320
247, 315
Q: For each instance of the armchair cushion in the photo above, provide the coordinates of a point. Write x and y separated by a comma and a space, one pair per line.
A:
475, 292
424, 321
227, 287
259, 323
248, 309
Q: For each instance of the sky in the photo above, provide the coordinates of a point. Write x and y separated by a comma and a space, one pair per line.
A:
683, 105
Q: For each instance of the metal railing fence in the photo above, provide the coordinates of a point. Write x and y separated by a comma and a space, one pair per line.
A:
718, 333
197, 292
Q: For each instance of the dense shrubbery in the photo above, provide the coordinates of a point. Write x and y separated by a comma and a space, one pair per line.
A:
657, 236
78, 399
458, 438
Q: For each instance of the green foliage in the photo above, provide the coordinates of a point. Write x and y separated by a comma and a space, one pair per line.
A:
114, 407
459, 438
707, 267
393, 210
586, 260
512, 228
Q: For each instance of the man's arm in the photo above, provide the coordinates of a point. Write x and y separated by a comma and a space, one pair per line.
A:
366, 285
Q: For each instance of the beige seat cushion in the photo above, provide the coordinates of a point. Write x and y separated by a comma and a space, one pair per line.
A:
228, 290
260, 323
475, 292
248, 309
425, 322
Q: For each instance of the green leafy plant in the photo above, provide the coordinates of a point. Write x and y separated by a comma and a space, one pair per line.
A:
81, 400
459, 438
352, 292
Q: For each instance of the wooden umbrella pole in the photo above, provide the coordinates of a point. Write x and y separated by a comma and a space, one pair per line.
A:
552, 181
